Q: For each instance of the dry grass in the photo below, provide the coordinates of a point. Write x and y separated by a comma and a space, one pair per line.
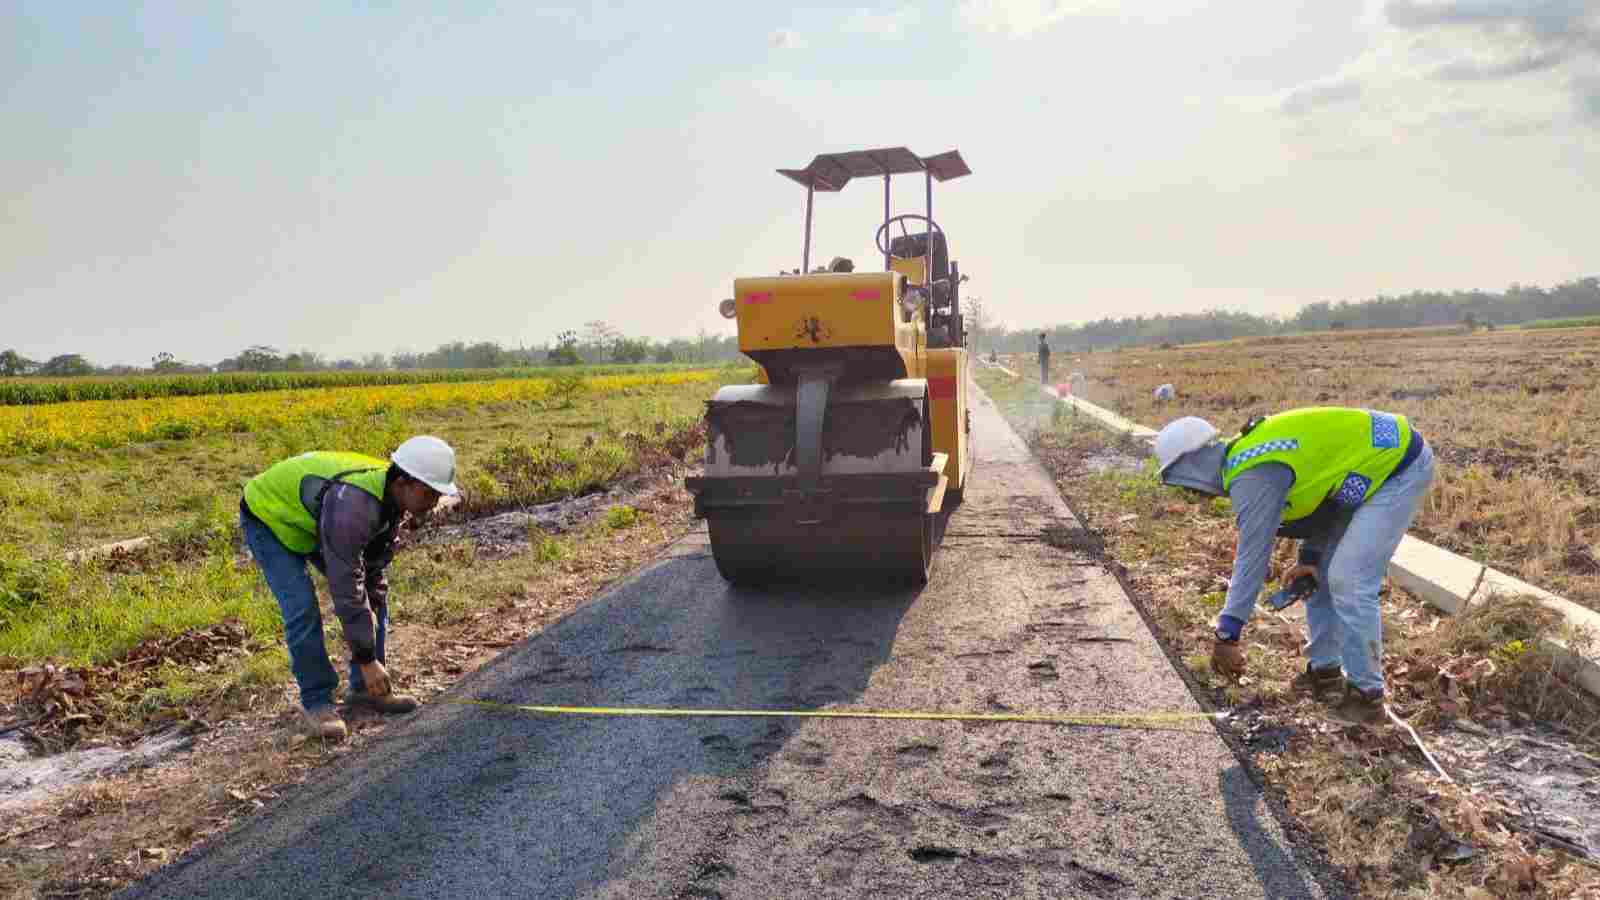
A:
1514, 418
1365, 795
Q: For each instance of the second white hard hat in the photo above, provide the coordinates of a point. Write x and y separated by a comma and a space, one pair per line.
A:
430, 461
1182, 436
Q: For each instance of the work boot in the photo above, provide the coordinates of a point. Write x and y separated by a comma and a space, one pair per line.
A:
1358, 707
1318, 682
324, 722
388, 704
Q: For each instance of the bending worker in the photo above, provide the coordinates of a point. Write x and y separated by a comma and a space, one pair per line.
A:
342, 512
1347, 483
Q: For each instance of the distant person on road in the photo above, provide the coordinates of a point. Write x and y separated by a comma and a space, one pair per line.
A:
1345, 482
342, 512
1044, 360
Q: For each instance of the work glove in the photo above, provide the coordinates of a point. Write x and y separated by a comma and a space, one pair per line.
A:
1227, 658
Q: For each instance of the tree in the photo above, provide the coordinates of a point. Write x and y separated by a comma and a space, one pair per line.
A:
629, 350
664, 353
565, 352
260, 358
484, 355
304, 361
166, 362
598, 338
976, 314
66, 365
13, 364
374, 361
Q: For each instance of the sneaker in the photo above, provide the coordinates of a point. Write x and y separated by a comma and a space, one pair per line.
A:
324, 722
388, 704
1358, 707
1318, 682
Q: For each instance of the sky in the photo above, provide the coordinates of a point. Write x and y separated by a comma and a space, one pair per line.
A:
195, 178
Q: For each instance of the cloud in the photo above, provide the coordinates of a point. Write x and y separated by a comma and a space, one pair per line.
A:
1315, 95
884, 24
787, 39
1020, 18
1491, 67
1549, 17
1492, 70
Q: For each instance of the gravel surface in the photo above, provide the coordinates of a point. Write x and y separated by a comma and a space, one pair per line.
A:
468, 802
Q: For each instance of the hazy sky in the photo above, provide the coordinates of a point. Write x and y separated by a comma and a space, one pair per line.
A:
195, 178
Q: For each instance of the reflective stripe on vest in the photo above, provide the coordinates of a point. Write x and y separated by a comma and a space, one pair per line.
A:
275, 495
1336, 452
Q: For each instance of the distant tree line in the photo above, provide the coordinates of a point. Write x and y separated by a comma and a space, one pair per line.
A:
598, 343
1417, 309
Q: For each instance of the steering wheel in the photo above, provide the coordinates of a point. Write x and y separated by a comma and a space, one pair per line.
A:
882, 238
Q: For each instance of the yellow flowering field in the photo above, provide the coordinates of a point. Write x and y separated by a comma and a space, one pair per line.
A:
99, 424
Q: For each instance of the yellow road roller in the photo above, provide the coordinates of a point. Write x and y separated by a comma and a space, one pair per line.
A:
839, 461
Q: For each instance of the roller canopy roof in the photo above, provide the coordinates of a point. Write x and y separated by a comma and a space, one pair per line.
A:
832, 171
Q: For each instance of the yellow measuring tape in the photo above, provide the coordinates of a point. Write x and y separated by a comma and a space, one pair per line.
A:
1163, 721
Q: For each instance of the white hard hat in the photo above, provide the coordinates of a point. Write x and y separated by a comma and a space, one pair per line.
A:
430, 461
1182, 436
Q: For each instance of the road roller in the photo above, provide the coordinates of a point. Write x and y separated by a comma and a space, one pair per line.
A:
840, 460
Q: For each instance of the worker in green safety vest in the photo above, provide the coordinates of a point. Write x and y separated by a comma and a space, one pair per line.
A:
342, 513
1347, 483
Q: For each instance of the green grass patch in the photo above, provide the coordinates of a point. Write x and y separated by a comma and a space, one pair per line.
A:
93, 615
1574, 322
185, 494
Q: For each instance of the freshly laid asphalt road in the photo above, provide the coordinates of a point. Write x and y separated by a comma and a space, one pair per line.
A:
462, 801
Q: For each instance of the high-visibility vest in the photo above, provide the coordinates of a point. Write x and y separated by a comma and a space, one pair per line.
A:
1338, 454
288, 495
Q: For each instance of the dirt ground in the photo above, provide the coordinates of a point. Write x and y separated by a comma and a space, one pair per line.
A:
1514, 417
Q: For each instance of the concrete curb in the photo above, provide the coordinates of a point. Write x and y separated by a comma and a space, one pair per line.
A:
1104, 416
1447, 581
1451, 582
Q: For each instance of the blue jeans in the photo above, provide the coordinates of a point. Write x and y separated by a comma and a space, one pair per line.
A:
286, 575
1344, 623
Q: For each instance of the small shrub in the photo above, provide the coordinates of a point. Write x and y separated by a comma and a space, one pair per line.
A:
566, 388
549, 549
618, 517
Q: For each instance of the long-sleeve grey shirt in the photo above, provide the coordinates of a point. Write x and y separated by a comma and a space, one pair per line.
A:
1258, 497
356, 539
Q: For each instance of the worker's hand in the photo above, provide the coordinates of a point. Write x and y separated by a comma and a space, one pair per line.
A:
1297, 571
376, 678
1227, 658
